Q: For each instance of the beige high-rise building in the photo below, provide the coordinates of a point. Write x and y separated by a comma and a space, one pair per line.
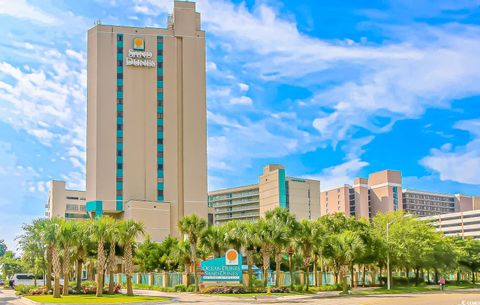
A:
300, 196
146, 122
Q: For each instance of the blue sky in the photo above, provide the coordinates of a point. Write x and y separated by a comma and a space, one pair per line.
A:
330, 89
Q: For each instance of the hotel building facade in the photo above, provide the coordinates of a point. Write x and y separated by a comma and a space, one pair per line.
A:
146, 122
461, 224
382, 192
274, 189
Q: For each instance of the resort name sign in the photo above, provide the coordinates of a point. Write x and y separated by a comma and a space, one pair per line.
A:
138, 57
223, 269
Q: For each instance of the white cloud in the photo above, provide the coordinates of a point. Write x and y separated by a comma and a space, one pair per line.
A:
242, 100
461, 164
340, 174
22, 10
243, 87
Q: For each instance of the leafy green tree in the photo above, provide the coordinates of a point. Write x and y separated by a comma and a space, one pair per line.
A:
166, 248
33, 249
82, 245
266, 233
128, 232
193, 227
182, 254
3, 247
148, 255
470, 255
10, 264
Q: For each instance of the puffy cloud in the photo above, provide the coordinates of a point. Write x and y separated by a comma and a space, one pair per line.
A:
339, 174
462, 163
242, 100
22, 10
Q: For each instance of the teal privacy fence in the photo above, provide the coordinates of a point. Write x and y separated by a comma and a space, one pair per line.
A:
171, 279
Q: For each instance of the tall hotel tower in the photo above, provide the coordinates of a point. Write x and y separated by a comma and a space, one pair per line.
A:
146, 122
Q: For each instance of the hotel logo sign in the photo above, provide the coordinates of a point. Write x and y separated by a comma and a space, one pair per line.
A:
138, 57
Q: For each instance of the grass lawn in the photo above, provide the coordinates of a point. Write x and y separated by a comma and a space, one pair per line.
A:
412, 289
92, 299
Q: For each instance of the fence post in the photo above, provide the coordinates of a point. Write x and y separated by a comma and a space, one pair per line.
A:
301, 277
185, 278
150, 279
119, 278
281, 278
164, 279
245, 279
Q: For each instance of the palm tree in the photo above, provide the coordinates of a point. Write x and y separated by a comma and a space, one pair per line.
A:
308, 235
50, 232
213, 241
344, 248
244, 234
68, 230
193, 227
285, 225
81, 244
112, 241
181, 254
266, 232
33, 248
128, 231
99, 229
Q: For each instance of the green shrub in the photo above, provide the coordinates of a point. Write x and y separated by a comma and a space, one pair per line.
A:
180, 288
23, 289
299, 288
191, 288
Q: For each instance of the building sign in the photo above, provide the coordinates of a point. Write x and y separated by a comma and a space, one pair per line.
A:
223, 269
138, 57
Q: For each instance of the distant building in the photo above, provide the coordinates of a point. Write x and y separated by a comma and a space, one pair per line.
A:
461, 224
68, 204
381, 192
300, 196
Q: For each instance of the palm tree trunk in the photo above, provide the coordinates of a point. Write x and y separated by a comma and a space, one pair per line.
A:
266, 265
79, 274
56, 271
66, 270
351, 276
250, 269
100, 268
315, 270
364, 275
49, 268
111, 267
306, 264
128, 268
278, 262
290, 267
194, 259
344, 279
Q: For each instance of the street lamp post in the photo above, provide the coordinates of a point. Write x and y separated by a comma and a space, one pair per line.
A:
388, 259
388, 252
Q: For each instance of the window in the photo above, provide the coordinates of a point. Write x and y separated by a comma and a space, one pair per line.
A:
119, 179
159, 77
120, 101
120, 63
72, 207
120, 153
160, 103
72, 198
119, 88
160, 128
119, 75
119, 140
119, 37
119, 127
159, 115
160, 193
120, 114
119, 50
159, 141
160, 167
119, 165
160, 52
